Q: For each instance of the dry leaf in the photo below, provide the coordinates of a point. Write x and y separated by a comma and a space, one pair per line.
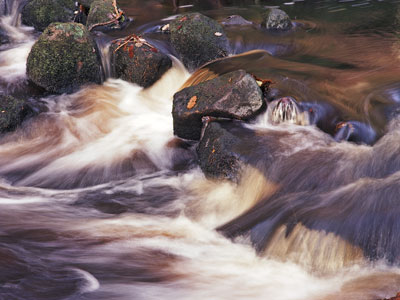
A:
192, 102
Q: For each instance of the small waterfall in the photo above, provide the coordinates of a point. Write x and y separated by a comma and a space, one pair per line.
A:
103, 45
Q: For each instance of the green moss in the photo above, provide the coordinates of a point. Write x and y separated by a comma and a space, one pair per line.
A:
40, 13
102, 11
63, 58
11, 112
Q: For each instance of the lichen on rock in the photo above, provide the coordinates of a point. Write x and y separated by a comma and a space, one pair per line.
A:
276, 19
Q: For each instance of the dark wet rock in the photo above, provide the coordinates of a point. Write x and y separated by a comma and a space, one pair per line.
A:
4, 38
3, 7
235, 20
12, 112
64, 58
356, 132
103, 12
138, 61
216, 152
198, 39
234, 95
40, 13
276, 19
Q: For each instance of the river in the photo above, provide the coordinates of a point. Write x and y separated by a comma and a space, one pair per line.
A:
98, 200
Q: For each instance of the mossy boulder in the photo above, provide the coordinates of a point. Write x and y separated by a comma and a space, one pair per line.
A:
12, 112
276, 19
64, 58
40, 13
234, 95
103, 11
138, 61
86, 3
198, 39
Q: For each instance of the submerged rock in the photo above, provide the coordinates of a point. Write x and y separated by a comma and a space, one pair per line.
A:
40, 13
235, 20
103, 16
12, 112
216, 152
137, 61
198, 39
276, 19
234, 95
64, 58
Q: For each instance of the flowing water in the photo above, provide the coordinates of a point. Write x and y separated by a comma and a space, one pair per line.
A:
98, 200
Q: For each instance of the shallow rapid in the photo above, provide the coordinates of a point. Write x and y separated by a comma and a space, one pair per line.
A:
99, 200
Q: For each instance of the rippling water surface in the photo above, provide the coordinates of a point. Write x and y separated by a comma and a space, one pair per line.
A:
98, 199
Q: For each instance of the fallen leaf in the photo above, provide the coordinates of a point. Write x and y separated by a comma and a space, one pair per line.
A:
131, 51
183, 19
192, 102
179, 27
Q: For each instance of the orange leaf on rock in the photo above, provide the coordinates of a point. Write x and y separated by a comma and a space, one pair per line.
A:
192, 102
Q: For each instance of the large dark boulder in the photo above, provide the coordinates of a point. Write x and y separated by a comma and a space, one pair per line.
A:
12, 112
234, 95
216, 153
103, 16
64, 58
276, 19
139, 62
198, 39
40, 13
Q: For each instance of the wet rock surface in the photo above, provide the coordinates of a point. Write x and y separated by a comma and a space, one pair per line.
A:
216, 152
276, 19
139, 62
103, 16
64, 58
40, 13
236, 20
234, 95
198, 39
12, 112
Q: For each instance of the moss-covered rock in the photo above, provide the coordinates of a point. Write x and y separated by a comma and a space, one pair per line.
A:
276, 19
64, 58
138, 61
103, 11
234, 95
86, 3
40, 13
198, 39
12, 112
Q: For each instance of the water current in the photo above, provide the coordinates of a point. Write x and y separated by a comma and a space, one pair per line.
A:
99, 200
